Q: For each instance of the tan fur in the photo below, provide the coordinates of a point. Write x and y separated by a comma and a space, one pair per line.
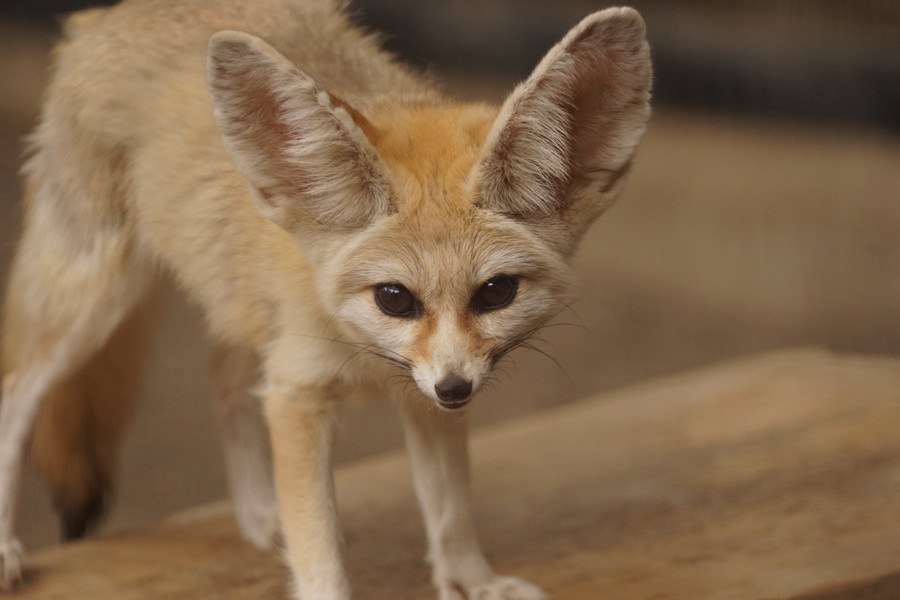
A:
282, 168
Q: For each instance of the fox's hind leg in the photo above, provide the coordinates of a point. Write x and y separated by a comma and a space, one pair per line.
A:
73, 281
245, 442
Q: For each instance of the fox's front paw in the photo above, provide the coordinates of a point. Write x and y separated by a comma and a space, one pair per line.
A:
498, 588
12, 564
259, 524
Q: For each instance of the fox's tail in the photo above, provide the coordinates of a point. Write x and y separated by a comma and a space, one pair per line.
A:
76, 439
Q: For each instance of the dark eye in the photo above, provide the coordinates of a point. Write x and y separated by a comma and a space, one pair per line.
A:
395, 300
497, 292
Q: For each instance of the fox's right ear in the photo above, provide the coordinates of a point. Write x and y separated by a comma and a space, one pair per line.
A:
308, 164
561, 147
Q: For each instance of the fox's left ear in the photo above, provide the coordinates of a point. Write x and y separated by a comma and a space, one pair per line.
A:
308, 161
562, 144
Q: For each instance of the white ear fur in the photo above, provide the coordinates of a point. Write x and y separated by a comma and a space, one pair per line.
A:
564, 138
307, 163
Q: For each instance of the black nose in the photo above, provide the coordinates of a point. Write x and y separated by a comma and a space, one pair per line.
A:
453, 391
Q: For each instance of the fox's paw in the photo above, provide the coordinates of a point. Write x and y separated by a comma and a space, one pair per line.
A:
498, 588
256, 510
259, 525
12, 565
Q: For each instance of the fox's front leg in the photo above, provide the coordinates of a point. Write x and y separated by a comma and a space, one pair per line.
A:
301, 423
438, 449
245, 443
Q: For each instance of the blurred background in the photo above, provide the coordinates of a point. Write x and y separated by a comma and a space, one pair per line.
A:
763, 211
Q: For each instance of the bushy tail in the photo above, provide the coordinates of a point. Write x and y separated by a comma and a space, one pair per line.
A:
76, 439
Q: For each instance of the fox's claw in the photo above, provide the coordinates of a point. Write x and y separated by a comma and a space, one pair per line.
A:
12, 562
498, 588
507, 588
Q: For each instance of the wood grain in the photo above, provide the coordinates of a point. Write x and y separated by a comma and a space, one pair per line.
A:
772, 477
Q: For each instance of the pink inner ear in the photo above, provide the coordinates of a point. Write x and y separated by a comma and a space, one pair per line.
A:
526, 163
265, 125
610, 96
306, 168
251, 117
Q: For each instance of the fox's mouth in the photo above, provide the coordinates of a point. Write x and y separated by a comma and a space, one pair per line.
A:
452, 405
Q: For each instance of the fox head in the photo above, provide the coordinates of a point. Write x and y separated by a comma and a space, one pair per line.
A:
441, 234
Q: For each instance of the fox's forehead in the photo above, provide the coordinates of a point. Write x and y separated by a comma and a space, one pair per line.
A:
430, 151
447, 260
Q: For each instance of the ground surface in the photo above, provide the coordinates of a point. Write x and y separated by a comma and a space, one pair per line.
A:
769, 477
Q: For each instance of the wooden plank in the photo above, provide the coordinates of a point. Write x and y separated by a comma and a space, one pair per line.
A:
772, 477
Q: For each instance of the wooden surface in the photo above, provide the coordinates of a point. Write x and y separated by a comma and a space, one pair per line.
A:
772, 477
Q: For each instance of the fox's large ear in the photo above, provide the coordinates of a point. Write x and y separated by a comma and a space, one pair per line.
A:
308, 164
563, 141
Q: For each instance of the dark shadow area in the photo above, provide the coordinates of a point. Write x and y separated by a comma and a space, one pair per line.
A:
827, 61
833, 61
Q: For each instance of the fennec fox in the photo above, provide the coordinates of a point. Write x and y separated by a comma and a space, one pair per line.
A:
339, 222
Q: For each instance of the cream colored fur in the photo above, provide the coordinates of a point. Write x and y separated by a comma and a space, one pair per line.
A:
283, 169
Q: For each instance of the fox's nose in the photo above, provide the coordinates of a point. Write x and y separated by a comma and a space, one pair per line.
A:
453, 391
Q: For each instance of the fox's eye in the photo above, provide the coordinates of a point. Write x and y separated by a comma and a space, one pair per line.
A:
497, 292
396, 301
